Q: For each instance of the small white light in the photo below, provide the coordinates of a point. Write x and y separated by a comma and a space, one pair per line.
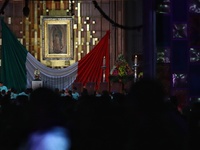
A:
75, 26
9, 20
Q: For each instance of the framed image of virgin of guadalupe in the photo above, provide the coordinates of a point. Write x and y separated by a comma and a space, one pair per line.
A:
57, 38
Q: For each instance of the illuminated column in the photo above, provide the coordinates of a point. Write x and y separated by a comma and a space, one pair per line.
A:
75, 43
79, 31
35, 29
61, 5
27, 32
88, 34
53, 5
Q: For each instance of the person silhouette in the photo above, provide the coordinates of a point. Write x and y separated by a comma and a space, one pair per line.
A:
153, 125
46, 125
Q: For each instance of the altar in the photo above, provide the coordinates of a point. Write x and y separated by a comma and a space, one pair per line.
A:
122, 75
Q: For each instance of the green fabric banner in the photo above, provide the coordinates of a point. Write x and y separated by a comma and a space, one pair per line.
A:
13, 63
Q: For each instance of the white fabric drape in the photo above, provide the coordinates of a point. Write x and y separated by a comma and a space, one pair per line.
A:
52, 78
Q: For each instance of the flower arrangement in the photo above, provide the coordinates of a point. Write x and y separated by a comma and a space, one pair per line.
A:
121, 71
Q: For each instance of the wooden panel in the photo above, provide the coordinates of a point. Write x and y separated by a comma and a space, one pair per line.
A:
8, 10
105, 24
104, 86
90, 86
116, 87
17, 27
18, 9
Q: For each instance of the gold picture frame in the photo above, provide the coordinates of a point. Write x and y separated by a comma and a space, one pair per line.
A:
57, 39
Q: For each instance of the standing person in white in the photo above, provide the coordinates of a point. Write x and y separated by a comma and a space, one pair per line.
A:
75, 94
3, 87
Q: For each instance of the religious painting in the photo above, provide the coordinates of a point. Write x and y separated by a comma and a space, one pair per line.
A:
57, 38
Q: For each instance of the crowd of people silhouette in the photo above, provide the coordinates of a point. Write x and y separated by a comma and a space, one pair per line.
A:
45, 119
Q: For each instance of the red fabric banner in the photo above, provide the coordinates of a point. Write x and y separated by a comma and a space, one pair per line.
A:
90, 66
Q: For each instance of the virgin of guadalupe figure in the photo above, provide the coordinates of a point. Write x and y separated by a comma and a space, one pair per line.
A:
57, 39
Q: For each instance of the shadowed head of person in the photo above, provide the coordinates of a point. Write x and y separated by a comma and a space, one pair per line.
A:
44, 109
147, 94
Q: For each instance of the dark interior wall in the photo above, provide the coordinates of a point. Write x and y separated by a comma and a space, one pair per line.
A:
149, 30
133, 37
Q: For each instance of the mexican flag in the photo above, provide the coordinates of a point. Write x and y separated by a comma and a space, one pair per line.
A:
13, 60
18, 65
